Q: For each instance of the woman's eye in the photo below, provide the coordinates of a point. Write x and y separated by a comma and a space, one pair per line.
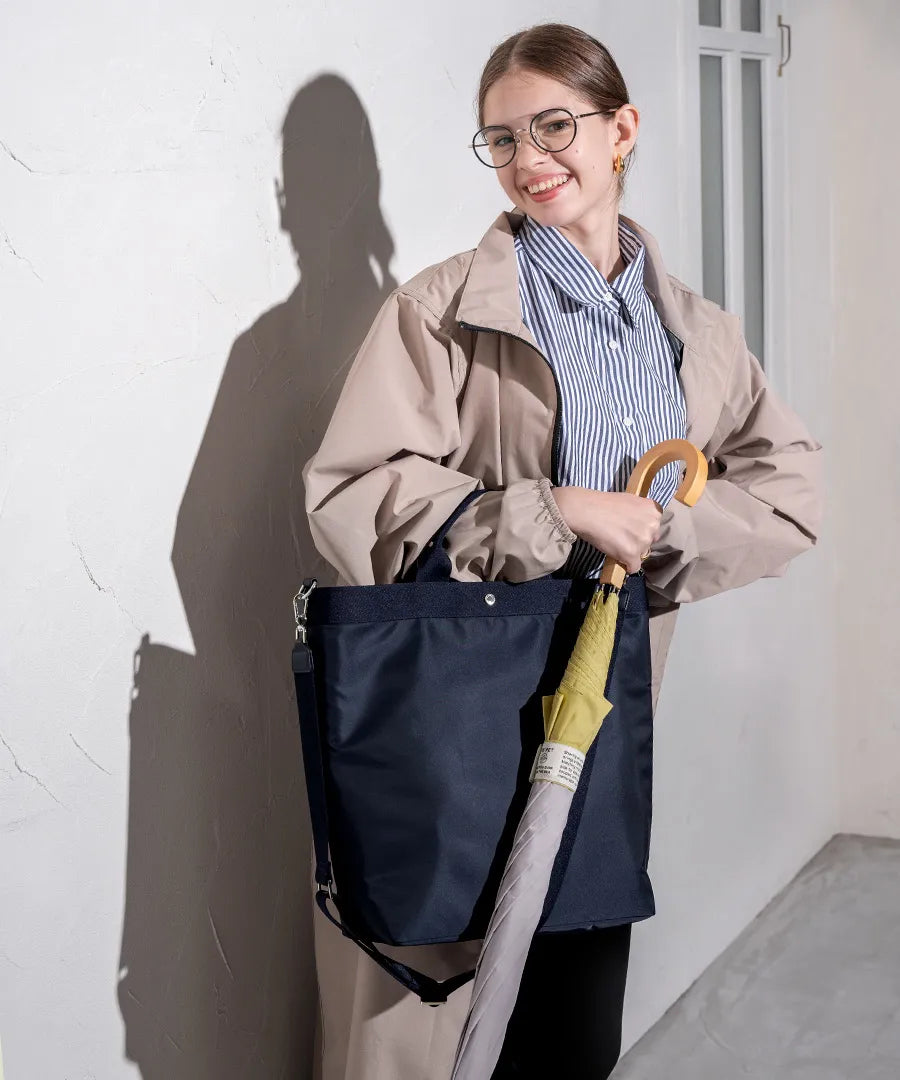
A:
501, 140
555, 127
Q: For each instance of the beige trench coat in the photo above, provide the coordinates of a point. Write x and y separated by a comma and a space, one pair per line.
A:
449, 392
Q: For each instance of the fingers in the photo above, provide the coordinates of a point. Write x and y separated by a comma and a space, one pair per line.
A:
626, 526
657, 532
657, 527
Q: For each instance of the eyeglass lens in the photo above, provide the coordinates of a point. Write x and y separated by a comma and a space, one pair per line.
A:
552, 130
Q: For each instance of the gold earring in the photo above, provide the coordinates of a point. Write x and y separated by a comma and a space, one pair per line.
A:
618, 164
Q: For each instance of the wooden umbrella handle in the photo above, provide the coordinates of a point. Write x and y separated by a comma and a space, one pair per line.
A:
689, 490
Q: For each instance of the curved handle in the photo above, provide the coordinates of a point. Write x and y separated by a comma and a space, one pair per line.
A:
782, 26
689, 490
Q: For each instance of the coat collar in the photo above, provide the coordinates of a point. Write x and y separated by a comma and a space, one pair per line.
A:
491, 294
490, 298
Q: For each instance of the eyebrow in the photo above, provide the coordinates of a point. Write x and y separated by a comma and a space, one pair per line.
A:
530, 116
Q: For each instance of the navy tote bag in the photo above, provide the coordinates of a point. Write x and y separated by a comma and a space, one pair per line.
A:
420, 716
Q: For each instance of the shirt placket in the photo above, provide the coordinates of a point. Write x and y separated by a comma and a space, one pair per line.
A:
615, 348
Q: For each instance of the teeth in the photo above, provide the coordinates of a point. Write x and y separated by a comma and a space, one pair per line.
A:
546, 185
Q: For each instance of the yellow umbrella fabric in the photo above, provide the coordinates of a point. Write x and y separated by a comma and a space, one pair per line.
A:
574, 715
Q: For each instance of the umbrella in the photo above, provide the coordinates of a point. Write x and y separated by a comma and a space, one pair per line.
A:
572, 718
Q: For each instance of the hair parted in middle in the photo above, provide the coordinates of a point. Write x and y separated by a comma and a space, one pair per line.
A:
568, 55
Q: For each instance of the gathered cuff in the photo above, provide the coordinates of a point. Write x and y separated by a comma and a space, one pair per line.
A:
545, 491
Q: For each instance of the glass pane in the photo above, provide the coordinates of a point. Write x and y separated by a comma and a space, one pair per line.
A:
751, 110
751, 17
710, 12
712, 178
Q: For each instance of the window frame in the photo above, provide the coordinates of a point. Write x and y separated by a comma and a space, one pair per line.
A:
732, 45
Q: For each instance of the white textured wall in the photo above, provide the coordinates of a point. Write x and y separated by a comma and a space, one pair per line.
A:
172, 345
864, 395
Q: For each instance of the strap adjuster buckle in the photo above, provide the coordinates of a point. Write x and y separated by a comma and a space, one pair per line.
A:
326, 888
301, 604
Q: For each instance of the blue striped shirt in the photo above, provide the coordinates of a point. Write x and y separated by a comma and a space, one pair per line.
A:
619, 391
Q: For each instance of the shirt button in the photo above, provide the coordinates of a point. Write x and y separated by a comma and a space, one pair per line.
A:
613, 344
628, 420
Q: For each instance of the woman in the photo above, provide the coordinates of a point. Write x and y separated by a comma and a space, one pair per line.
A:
540, 366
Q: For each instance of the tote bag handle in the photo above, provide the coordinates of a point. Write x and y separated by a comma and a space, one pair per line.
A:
433, 563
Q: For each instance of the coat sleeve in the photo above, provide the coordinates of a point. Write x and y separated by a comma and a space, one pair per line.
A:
763, 502
378, 487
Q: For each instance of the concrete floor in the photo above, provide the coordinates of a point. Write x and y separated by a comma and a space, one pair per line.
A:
809, 991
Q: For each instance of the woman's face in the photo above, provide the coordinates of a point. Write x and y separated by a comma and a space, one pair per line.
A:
586, 166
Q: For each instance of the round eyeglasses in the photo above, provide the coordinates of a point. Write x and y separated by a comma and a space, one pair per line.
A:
551, 130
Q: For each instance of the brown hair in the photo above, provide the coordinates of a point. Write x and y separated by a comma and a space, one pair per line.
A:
568, 55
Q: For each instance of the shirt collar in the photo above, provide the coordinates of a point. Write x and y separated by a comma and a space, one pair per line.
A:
578, 278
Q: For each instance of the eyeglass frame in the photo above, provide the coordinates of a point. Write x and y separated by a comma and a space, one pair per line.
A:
530, 129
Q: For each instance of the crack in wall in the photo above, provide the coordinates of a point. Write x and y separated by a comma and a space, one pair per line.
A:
88, 756
4, 235
25, 772
17, 160
101, 588
219, 944
9, 960
206, 287
89, 172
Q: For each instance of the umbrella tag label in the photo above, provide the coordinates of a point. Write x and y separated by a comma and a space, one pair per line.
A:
557, 763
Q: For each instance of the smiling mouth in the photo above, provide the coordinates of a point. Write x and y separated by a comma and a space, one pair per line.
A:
547, 185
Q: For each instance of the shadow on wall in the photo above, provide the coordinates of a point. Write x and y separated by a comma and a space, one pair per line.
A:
217, 976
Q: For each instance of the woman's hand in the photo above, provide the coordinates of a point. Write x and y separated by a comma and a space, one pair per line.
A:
618, 524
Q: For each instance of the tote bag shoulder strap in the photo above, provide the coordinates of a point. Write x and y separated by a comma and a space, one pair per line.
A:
430, 991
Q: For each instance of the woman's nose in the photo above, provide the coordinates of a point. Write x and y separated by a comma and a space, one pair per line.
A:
529, 149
